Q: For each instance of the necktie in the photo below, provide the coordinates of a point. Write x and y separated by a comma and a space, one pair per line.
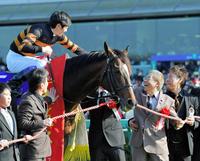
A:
149, 105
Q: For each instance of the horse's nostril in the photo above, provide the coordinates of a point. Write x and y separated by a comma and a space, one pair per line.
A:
130, 103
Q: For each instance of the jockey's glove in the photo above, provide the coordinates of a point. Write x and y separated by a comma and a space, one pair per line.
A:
48, 122
47, 50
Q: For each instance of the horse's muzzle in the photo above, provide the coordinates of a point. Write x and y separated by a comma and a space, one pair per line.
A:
130, 104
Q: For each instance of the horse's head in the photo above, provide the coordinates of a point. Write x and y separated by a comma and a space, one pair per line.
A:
116, 78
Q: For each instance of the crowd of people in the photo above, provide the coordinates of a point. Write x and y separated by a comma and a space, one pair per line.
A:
154, 138
31, 118
176, 140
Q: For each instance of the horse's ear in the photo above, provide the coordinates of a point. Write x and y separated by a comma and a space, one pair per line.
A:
105, 46
126, 50
107, 49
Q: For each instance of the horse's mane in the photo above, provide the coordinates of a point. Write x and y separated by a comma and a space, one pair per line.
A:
85, 60
96, 57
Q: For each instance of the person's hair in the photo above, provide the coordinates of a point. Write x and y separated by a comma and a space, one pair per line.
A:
157, 76
59, 17
181, 72
37, 77
4, 86
139, 78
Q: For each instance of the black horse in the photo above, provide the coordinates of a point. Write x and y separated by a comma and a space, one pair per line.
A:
85, 73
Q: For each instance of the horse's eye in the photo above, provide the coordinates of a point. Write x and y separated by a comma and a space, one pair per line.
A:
116, 65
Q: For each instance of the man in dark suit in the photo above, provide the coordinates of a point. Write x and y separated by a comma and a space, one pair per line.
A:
106, 137
196, 152
32, 117
180, 142
8, 128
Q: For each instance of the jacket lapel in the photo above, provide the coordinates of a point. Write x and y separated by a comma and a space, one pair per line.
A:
144, 99
183, 112
40, 106
3, 120
162, 100
14, 123
187, 105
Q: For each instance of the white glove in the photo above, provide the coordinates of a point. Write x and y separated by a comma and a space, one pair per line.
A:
47, 50
52, 94
48, 122
3, 144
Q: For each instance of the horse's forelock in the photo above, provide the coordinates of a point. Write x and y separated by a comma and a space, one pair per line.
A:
124, 58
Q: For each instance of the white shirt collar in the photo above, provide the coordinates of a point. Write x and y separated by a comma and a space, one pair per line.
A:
156, 94
3, 109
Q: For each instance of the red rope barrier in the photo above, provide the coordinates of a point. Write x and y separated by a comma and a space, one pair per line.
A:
159, 114
109, 104
57, 117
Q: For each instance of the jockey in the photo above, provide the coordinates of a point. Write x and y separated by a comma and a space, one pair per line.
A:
39, 38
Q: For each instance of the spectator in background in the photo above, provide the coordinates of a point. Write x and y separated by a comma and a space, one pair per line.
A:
196, 79
180, 142
138, 81
3, 66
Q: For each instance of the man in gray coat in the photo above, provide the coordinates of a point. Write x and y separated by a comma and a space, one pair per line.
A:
149, 142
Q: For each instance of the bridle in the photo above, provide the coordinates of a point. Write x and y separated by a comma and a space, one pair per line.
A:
109, 77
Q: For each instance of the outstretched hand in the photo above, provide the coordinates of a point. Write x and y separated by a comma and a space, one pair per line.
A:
52, 94
47, 50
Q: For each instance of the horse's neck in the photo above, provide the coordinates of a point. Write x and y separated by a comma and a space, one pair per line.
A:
83, 76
